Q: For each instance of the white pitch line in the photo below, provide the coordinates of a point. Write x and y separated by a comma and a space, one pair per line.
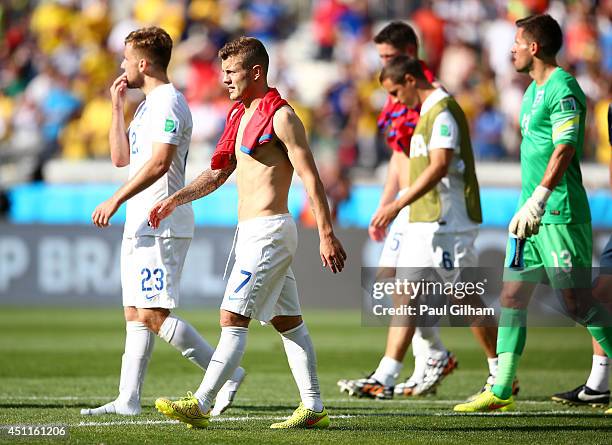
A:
516, 413
424, 401
351, 400
10, 397
169, 422
123, 422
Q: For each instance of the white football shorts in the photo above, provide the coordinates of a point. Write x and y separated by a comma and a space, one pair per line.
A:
393, 242
261, 284
151, 270
443, 253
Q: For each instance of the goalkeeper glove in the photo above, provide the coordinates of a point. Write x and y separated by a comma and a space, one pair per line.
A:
526, 221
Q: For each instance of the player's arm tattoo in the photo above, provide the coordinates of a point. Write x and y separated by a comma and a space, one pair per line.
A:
208, 181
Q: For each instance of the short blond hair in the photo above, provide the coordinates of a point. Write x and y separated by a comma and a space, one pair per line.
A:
153, 43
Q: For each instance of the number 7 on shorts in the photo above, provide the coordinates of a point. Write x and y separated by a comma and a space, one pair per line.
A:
246, 280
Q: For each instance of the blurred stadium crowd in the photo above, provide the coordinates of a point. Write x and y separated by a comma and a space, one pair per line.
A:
58, 58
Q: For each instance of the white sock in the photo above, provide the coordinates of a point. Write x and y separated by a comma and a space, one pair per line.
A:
388, 370
139, 342
187, 340
227, 393
600, 374
426, 341
191, 344
420, 364
109, 408
303, 363
222, 365
493, 362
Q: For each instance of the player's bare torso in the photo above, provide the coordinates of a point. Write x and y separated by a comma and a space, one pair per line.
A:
263, 178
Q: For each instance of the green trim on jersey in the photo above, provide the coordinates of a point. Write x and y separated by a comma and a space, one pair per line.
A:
560, 254
554, 114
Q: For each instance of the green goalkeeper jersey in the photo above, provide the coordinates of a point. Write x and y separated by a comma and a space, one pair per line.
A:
553, 114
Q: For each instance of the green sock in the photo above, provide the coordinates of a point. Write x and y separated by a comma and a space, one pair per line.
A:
508, 362
511, 338
603, 335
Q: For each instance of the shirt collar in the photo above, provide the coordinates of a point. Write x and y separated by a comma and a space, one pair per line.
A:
436, 96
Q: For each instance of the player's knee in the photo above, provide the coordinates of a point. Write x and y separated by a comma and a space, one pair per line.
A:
228, 319
286, 323
130, 313
153, 319
512, 300
149, 323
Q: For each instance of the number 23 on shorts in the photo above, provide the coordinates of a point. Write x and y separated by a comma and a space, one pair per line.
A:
151, 279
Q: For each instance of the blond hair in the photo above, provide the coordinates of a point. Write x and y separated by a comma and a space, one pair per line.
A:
153, 43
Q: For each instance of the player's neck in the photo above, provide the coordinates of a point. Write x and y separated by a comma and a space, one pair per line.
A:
541, 71
424, 93
150, 83
250, 103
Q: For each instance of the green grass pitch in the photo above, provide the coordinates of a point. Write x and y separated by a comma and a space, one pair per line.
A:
55, 361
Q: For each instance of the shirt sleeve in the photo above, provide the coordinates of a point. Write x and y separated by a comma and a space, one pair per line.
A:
166, 121
565, 119
445, 133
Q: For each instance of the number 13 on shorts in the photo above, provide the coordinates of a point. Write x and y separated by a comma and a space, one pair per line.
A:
562, 259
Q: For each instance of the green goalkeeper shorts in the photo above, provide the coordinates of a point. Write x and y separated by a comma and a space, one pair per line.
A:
560, 255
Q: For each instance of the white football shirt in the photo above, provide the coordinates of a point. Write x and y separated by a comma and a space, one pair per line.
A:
162, 117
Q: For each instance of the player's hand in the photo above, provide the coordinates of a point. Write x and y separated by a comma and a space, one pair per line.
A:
526, 221
384, 216
523, 225
160, 211
118, 90
103, 213
332, 253
376, 234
